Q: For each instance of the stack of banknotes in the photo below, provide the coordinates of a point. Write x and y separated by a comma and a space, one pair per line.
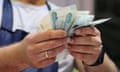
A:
69, 19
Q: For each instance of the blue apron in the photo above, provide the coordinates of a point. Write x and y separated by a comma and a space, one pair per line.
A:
7, 36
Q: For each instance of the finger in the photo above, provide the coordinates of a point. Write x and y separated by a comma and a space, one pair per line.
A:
85, 49
91, 31
48, 45
89, 40
44, 63
51, 34
54, 52
80, 56
37, 57
86, 58
41, 57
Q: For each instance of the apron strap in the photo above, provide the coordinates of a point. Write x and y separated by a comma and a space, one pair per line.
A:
7, 18
48, 6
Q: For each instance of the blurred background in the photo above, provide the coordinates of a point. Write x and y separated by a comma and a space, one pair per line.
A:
81, 4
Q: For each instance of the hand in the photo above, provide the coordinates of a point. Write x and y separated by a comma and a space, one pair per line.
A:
39, 50
86, 45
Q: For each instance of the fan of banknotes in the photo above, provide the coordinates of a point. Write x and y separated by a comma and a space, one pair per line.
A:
68, 19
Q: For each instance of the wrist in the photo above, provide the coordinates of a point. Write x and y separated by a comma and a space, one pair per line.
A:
13, 57
99, 61
19, 53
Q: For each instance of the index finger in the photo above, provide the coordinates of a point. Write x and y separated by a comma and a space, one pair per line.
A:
92, 31
47, 35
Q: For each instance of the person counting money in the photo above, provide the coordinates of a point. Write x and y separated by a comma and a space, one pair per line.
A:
23, 48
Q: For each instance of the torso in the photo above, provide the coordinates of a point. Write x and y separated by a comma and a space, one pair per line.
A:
27, 17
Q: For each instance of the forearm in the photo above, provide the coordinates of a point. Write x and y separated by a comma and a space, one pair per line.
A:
107, 66
11, 59
79, 66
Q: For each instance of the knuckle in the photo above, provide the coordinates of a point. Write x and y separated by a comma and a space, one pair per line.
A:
99, 42
28, 39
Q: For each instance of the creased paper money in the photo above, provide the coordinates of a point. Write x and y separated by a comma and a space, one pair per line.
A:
68, 19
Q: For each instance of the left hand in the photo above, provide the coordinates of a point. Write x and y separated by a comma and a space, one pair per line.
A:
86, 45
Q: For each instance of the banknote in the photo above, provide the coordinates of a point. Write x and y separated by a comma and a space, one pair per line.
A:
68, 19
45, 23
90, 24
62, 14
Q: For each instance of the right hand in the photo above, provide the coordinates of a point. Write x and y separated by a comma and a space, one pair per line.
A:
35, 46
